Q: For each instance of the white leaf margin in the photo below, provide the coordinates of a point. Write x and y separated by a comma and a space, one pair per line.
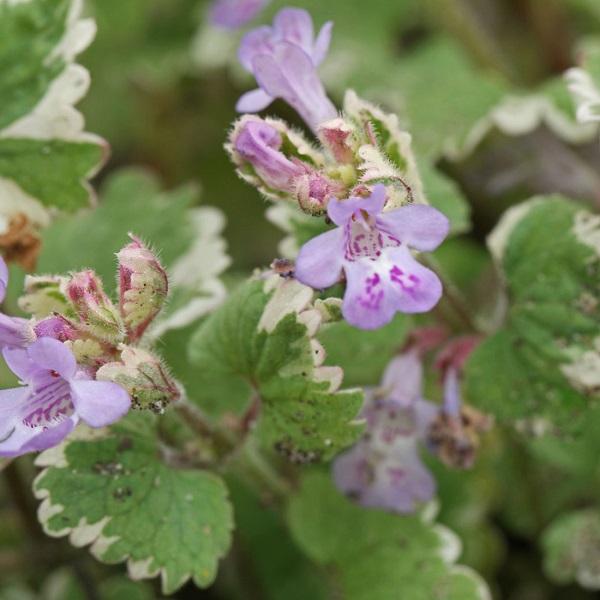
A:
582, 367
450, 550
54, 118
198, 271
86, 534
289, 296
517, 116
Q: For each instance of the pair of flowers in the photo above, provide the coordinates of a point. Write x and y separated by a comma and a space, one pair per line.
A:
370, 247
56, 393
384, 469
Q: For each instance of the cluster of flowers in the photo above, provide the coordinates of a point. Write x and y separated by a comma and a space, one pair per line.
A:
384, 468
79, 356
363, 178
362, 181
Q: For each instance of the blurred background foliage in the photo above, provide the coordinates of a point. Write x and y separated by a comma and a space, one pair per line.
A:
164, 87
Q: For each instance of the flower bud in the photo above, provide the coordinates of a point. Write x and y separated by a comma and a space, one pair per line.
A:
45, 295
143, 287
144, 377
97, 313
57, 327
313, 191
338, 137
256, 149
455, 439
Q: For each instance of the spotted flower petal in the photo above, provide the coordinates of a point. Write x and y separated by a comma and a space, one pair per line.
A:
341, 211
49, 354
382, 276
396, 282
55, 396
397, 481
384, 469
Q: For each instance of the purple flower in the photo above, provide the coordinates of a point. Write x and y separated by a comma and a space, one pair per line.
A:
56, 394
284, 60
256, 146
384, 469
372, 247
14, 332
259, 144
233, 14
453, 435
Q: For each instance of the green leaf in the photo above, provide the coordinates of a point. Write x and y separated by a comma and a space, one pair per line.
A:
45, 157
260, 345
52, 171
281, 569
571, 548
443, 194
112, 491
131, 201
387, 556
543, 365
27, 73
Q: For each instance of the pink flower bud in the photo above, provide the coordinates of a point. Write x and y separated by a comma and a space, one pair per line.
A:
314, 190
337, 136
455, 353
95, 309
57, 327
143, 287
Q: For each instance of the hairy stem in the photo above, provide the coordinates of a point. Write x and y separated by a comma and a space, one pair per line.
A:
256, 469
18, 491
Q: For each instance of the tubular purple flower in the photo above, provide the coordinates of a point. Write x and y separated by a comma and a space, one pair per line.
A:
233, 14
258, 143
384, 469
372, 248
14, 332
256, 149
56, 394
284, 60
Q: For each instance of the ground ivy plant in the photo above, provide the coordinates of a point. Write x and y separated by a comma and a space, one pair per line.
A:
319, 426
